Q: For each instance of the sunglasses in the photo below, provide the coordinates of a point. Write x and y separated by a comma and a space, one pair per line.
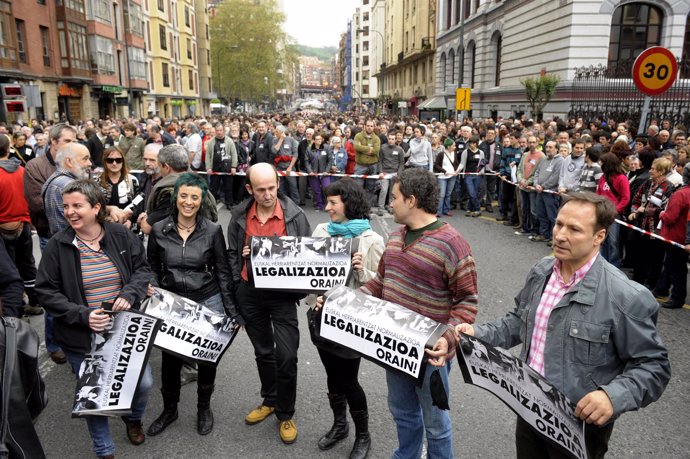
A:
114, 160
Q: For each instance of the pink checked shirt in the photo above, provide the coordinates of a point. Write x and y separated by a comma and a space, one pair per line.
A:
553, 293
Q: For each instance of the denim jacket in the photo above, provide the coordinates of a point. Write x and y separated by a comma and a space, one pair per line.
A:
602, 335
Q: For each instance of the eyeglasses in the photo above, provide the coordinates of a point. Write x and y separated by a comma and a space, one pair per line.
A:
114, 160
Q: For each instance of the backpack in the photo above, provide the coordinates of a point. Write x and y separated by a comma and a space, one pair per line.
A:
23, 392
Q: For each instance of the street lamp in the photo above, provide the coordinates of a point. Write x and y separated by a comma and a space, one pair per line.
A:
383, 55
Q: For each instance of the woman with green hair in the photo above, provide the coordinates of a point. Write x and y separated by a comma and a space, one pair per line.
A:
187, 255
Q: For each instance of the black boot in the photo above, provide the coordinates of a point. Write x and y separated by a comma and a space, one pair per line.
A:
362, 439
340, 427
204, 416
169, 414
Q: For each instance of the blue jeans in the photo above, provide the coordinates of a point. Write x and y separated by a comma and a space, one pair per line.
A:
414, 413
473, 182
446, 185
99, 429
547, 209
609, 249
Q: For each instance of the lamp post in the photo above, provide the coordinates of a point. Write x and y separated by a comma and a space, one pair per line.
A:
379, 77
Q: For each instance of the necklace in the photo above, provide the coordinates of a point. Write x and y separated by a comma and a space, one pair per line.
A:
90, 241
185, 227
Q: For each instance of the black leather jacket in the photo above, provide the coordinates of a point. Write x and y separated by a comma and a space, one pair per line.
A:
197, 268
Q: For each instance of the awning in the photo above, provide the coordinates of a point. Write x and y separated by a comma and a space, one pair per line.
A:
435, 103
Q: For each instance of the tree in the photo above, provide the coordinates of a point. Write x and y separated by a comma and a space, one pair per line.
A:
248, 50
539, 92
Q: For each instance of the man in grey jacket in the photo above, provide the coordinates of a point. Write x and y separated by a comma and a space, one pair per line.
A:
546, 179
571, 171
585, 327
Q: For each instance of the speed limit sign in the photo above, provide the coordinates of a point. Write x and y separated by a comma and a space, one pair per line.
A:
655, 70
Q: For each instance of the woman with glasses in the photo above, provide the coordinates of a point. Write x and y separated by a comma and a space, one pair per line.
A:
118, 185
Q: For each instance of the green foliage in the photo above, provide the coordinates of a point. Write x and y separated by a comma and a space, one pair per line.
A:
249, 50
539, 91
324, 54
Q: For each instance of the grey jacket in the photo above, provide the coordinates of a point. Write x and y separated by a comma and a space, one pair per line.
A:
547, 172
571, 172
602, 335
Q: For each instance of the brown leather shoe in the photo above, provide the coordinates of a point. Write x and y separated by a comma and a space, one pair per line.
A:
58, 357
135, 431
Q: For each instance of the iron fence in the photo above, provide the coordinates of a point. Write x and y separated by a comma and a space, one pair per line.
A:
601, 92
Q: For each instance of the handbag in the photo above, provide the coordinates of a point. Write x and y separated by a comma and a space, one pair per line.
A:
314, 322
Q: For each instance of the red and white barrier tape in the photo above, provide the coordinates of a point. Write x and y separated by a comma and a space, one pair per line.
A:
383, 176
620, 222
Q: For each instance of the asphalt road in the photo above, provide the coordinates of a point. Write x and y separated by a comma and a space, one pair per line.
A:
483, 426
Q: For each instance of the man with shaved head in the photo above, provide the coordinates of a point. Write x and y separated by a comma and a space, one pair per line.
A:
270, 316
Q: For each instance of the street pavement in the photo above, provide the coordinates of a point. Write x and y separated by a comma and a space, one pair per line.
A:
483, 426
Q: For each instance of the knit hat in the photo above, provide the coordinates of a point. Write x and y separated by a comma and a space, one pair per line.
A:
448, 142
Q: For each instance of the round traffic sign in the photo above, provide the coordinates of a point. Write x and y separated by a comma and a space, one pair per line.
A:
655, 70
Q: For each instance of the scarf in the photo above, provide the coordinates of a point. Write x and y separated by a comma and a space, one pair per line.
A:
349, 229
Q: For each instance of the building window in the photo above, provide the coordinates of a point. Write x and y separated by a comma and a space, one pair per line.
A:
78, 51
133, 23
685, 62
189, 48
634, 28
162, 37
365, 61
45, 45
103, 61
191, 80
7, 50
166, 75
468, 8
137, 63
442, 65
451, 67
75, 5
21, 41
476, 5
449, 15
99, 10
498, 47
186, 17
161, 5
472, 60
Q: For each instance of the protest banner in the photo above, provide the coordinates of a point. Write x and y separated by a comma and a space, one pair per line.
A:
385, 333
300, 264
111, 371
525, 391
189, 329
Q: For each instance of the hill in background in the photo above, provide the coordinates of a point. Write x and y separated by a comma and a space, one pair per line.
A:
324, 54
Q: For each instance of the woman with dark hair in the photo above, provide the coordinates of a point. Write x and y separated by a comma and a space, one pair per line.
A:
350, 149
319, 160
348, 207
118, 185
472, 161
649, 201
614, 186
636, 179
83, 266
188, 257
20, 149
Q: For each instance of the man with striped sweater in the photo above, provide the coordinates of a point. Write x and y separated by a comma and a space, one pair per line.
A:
427, 267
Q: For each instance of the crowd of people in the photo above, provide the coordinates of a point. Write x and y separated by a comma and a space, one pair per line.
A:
89, 190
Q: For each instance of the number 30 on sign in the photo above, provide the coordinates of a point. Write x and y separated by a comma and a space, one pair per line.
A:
655, 70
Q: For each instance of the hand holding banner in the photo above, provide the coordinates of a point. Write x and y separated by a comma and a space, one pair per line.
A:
300, 264
110, 373
388, 334
190, 330
525, 391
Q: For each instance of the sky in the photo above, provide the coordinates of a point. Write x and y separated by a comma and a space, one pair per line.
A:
318, 22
